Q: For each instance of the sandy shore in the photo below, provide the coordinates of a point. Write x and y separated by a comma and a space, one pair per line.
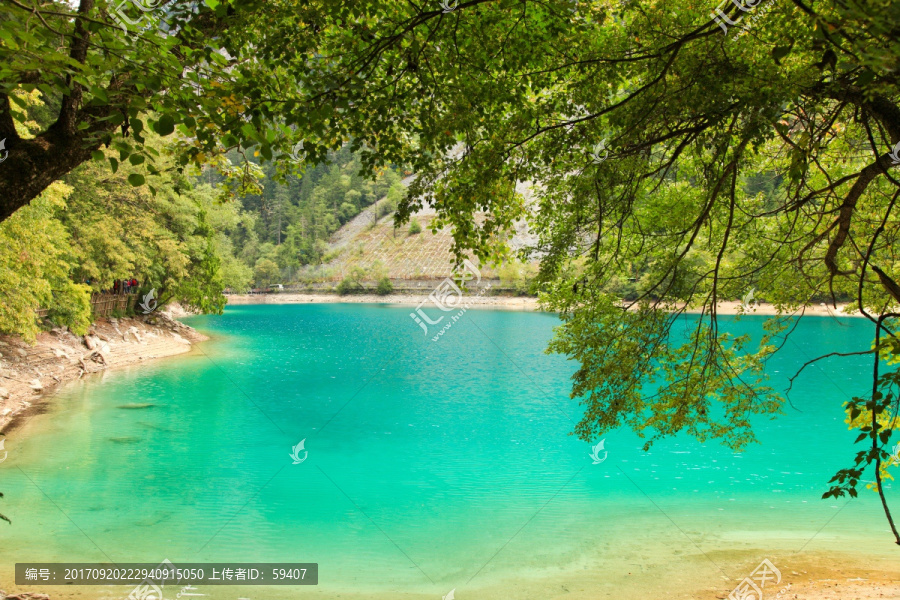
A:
734, 307
30, 372
817, 576
524, 303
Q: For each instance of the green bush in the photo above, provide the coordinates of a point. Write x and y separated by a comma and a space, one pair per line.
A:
518, 276
414, 227
347, 286
352, 283
385, 287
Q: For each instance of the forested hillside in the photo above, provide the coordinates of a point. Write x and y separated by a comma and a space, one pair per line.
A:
288, 224
187, 236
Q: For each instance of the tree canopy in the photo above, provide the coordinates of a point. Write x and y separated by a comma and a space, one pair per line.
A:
688, 161
678, 157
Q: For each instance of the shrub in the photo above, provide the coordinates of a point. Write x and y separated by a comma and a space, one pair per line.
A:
385, 287
266, 272
518, 276
414, 227
345, 286
352, 283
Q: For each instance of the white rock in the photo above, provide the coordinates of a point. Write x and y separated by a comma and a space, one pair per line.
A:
4, 393
36, 385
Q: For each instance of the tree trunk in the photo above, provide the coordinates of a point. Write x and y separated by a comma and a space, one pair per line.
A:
34, 164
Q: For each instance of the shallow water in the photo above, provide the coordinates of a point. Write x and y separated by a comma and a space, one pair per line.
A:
430, 466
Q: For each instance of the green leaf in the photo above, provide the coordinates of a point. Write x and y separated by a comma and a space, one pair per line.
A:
100, 96
166, 125
136, 179
780, 52
865, 78
98, 155
114, 164
15, 98
136, 159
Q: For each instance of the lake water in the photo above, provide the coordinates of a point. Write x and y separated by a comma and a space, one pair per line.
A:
431, 466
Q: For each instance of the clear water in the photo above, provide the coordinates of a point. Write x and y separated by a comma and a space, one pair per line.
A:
431, 466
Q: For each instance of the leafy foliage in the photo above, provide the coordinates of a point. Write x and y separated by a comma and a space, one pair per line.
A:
671, 163
352, 283
385, 287
35, 251
80, 236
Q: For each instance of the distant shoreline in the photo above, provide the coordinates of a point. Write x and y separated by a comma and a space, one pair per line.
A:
523, 303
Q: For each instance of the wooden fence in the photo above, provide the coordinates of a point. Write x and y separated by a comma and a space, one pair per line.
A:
103, 305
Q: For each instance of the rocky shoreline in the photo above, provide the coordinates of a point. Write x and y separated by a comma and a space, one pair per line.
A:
30, 372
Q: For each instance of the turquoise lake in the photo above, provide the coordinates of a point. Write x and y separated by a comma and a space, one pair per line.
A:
431, 466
